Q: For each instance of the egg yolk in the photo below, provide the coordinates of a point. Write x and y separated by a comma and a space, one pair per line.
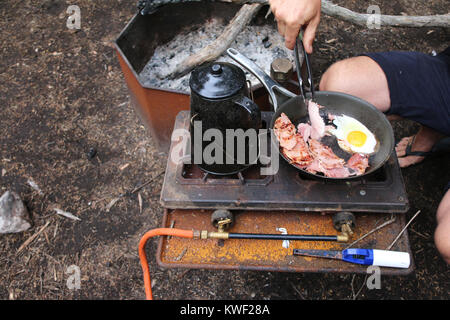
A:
356, 138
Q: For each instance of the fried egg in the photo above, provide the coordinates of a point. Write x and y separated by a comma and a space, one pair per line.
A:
353, 136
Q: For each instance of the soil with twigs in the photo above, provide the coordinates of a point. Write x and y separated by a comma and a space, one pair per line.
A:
63, 94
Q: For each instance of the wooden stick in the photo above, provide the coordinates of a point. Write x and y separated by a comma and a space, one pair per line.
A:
147, 182
360, 289
361, 19
333, 10
371, 231
218, 46
34, 236
345, 14
403, 230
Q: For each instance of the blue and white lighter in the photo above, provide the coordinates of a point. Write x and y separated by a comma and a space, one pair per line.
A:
374, 257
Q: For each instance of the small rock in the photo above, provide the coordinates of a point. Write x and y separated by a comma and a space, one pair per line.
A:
267, 44
265, 39
91, 153
14, 216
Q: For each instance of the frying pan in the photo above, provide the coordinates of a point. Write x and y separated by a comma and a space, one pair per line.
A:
294, 106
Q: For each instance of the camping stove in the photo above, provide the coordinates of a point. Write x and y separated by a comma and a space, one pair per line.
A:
187, 186
286, 202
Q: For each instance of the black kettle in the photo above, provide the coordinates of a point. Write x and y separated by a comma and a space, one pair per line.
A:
219, 100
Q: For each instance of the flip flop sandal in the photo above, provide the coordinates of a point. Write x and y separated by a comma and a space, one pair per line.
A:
441, 147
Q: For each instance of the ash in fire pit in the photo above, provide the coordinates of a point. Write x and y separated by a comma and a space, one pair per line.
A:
262, 44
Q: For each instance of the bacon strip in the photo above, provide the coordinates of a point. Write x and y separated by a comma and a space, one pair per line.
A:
317, 123
326, 156
300, 153
285, 132
358, 162
305, 130
300, 147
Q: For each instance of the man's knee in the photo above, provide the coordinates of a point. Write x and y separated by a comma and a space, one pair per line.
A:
443, 211
336, 78
442, 233
358, 76
442, 241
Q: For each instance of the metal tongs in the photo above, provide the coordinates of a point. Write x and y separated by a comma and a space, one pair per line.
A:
300, 49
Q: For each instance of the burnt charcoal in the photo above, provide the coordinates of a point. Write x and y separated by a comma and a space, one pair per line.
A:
267, 44
265, 39
279, 53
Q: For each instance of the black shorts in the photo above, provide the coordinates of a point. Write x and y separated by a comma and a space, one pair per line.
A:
419, 86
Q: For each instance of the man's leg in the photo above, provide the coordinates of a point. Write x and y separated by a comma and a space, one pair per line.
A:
364, 78
361, 77
442, 233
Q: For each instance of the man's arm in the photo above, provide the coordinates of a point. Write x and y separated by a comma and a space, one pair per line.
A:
291, 15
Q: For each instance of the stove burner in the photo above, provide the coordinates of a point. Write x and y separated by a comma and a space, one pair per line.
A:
187, 186
192, 174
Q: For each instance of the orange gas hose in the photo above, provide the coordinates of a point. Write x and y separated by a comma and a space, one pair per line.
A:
143, 257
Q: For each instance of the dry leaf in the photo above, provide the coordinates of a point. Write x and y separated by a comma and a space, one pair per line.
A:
111, 204
140, 202
124, 166
66, 214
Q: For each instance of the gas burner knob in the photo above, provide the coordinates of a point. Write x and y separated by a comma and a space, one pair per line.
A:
222, 219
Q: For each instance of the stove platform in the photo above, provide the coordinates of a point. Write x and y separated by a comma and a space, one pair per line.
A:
261, 204
270, 255
188, 187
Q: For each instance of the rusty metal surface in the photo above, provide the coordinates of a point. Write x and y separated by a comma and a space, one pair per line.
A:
383, 191
158, 107
270, 255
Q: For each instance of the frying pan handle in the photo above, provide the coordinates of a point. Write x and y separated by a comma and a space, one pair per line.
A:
277, 93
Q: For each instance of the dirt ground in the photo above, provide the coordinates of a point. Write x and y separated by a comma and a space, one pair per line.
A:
63, 93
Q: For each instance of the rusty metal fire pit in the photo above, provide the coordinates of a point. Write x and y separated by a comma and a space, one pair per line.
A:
158, 107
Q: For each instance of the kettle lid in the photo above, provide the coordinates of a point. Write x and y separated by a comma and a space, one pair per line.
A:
217, 80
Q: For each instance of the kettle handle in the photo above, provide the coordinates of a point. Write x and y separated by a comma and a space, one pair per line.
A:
252, 108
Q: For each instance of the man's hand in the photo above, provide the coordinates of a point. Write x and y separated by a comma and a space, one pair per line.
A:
291, 15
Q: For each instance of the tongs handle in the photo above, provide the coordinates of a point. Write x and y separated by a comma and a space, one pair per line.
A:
297, 49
